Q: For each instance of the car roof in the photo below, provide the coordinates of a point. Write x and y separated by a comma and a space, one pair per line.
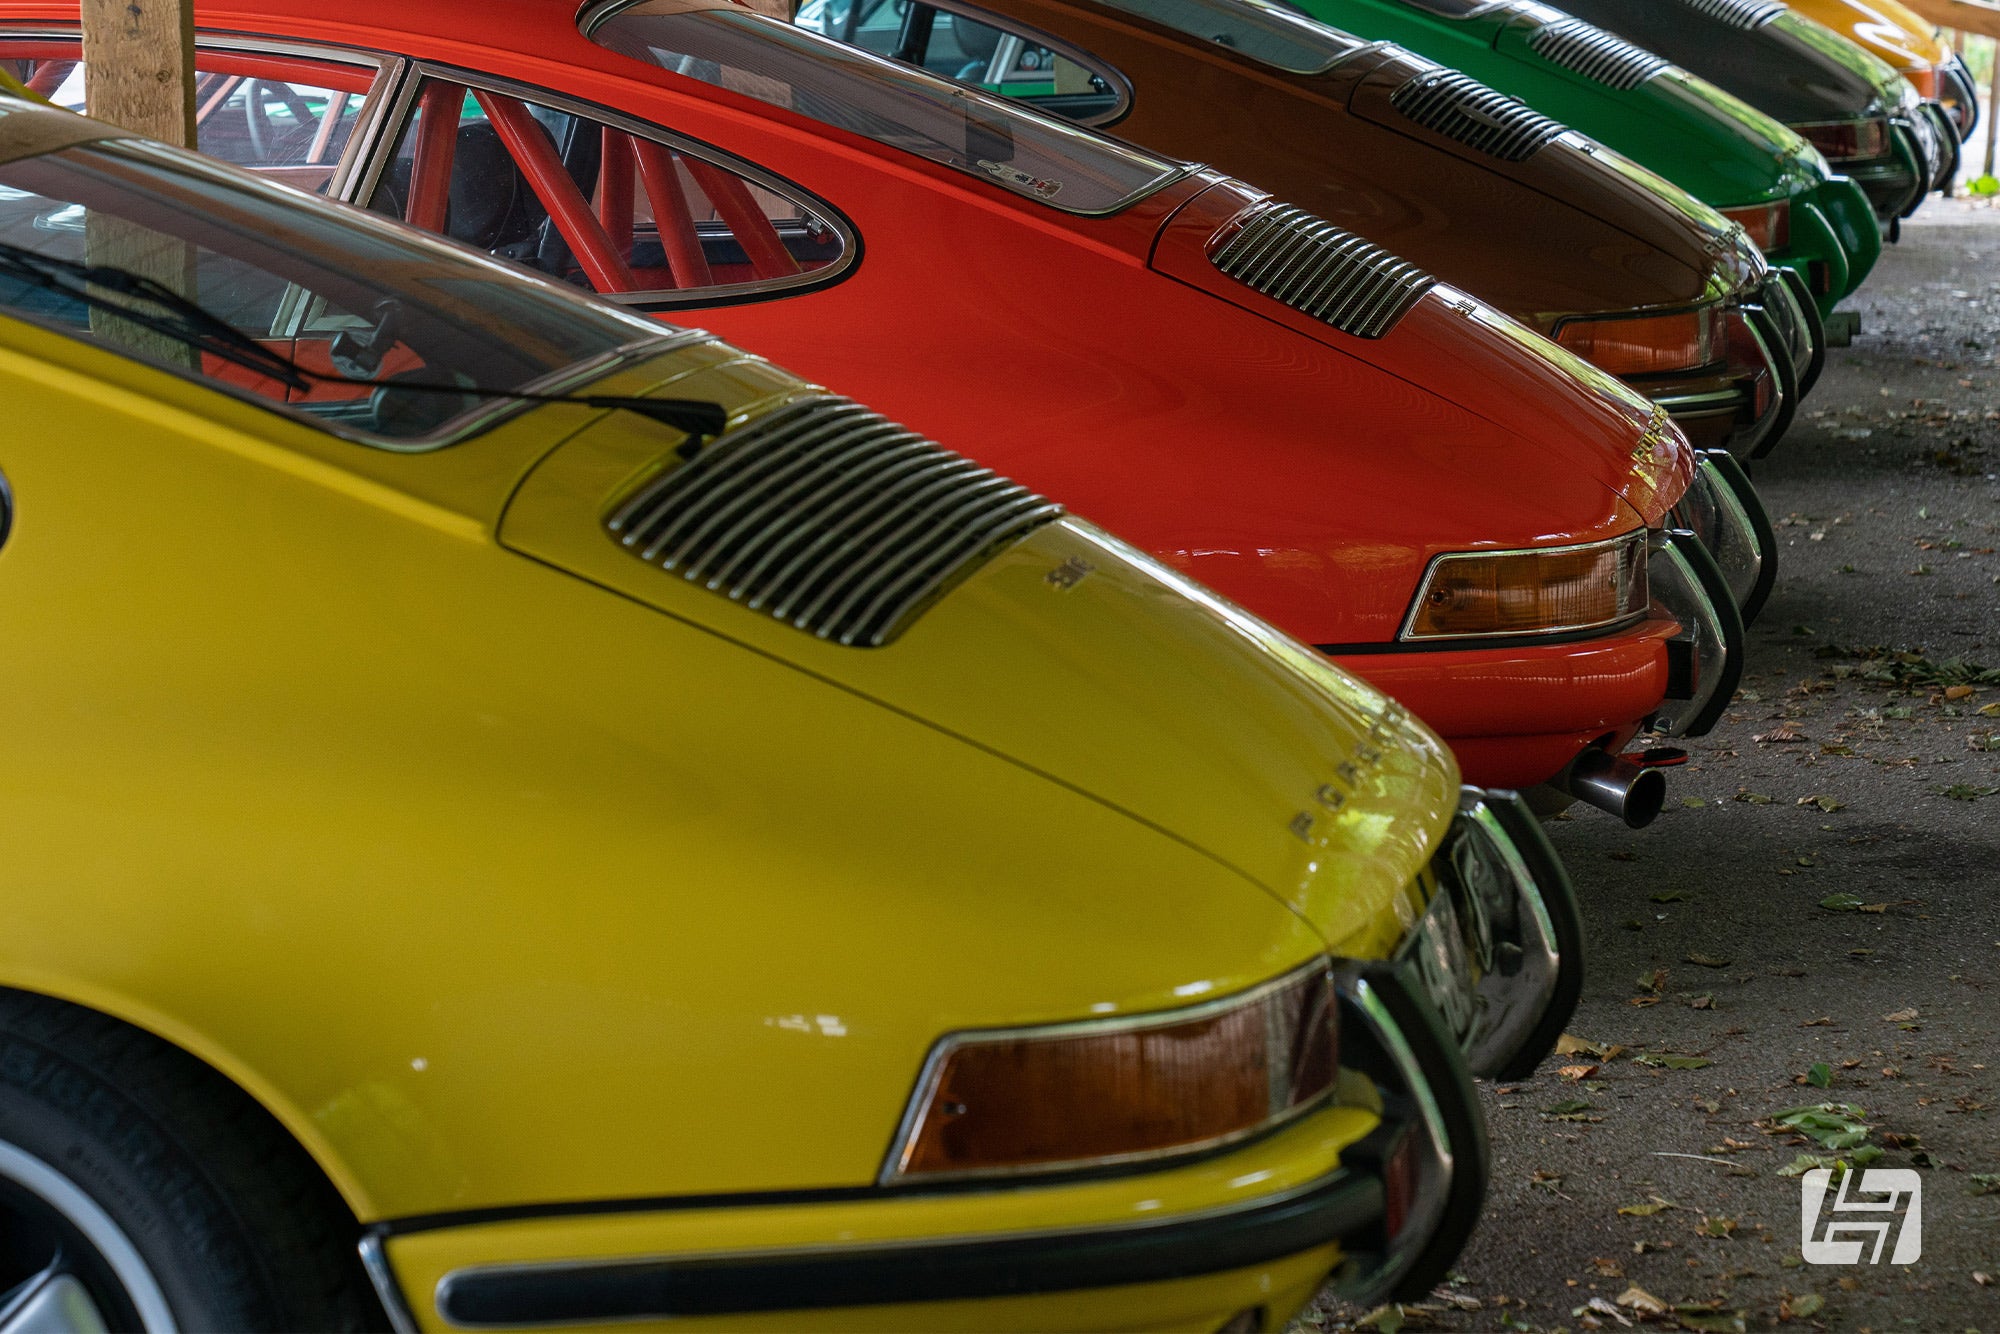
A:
30, 129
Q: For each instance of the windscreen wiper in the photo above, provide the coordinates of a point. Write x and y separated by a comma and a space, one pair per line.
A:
189, 323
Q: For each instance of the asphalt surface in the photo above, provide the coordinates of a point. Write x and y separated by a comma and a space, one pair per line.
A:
1719, 943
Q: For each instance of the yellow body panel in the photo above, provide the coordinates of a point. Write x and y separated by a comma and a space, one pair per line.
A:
1292, 1158
506, 870
1885, 28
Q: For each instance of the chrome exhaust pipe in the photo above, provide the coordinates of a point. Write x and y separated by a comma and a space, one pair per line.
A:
1617, 786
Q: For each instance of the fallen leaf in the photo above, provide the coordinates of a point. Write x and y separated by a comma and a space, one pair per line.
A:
1638, 1299
1655, 982
1900, 1016
1832, 1125
1967, 791
1841, 903
1990, 710
1982, 1278
1715, 1324
1671, 896
1957, 692
1819, 1074
1653, 1205
1716, 1227
1802, 1307
1754, 798
1577, 1071
1821, 800
1705, 1001
1669, 1061
1709, 961
1805, 1163
1604, 1308
1779, 735
1986, 1183
1383, 1319
1693, 803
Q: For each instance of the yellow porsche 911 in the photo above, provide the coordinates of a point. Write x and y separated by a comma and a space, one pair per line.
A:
521, 816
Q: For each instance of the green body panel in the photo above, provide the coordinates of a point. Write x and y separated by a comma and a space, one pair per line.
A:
1711, 144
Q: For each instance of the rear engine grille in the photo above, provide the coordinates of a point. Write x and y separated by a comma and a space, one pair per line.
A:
1462, 108
1595, 53
1316, 268
828, 517
1737, 13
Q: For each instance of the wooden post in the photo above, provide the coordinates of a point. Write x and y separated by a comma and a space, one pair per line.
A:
138, 73
138, 58
1993, 109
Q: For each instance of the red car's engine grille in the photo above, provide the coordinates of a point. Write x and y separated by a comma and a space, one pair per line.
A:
1316, 268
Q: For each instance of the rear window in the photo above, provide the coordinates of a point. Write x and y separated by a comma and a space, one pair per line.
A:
364, 303
1032, 155
1260, 30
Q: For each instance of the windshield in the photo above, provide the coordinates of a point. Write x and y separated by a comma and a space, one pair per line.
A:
1046, 160
332, 290
1259, 29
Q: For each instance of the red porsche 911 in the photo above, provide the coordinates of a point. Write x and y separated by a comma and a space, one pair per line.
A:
1491, 530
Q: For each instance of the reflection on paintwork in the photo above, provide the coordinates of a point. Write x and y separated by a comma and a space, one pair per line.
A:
824, 1025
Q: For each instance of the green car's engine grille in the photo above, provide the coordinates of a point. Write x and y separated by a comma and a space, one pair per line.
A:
1462, 108
1595, 54
828, 517
1316, 268
1737, 13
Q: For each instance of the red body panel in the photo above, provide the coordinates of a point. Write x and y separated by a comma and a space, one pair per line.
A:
1308, 475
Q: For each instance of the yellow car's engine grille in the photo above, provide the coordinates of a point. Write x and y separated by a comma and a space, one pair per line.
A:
1316, 268
828, 517
1737, 13
1462, 108
1595, 54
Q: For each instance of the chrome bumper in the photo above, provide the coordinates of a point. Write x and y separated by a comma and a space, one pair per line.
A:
1724, 511
1945, 129
1391, 1035
1705, 660
1964, 93
1499, 950
1790, 352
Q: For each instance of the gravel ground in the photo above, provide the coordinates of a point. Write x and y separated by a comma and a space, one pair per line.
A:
1820, 900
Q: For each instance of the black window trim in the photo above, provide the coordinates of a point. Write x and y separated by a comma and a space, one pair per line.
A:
403, 104
1121, 86
388, 67
389, 72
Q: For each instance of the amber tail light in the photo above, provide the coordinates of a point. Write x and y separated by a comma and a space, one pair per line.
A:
1089, 1094
1644, 344
1544, 590
1847, 140
1924, 80
1769, 225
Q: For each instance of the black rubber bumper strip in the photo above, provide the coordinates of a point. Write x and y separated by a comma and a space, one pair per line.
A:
1341, 1205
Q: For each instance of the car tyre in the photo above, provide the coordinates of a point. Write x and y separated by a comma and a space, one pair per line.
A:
141, 1188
